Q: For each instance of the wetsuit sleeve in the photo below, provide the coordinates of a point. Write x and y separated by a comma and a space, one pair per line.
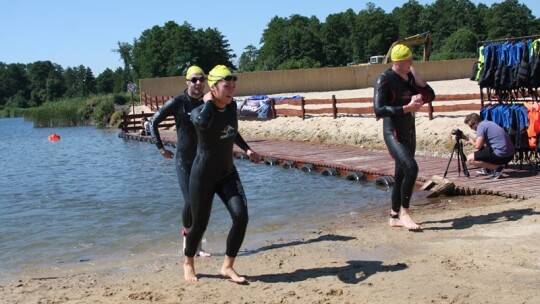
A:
383, 96
167, 109
203, 116
241, 143
428, 95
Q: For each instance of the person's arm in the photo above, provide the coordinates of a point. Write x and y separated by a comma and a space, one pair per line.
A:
476, 142
167, 109
382, 93
202, 116
428, 94
242, 144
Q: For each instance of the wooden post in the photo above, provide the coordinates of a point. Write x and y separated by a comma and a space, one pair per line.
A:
133, 102
334, 106
124, 122
273, 107
303, 103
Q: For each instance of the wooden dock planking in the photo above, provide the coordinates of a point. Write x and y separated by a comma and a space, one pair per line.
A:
515, 182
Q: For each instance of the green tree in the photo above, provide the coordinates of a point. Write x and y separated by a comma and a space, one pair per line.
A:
509, 19
121, 79
375, 31
246, 63
336, 38
80, 81
213, 49
169, 50
14, 81
105, 82
55, 86
46, 82
461, 44
290, 39
125, 50
444, 17
407, 18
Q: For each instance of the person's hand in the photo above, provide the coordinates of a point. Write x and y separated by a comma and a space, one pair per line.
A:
166, 153
254, 156
207, 97
416, 103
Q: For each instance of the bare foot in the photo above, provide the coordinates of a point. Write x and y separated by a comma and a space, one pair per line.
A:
204, 254
231, 274
395, 222
408, 222
201, 252
189, 270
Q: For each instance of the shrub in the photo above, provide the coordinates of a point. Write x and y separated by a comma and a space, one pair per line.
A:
116, 118
103, 112
120, 99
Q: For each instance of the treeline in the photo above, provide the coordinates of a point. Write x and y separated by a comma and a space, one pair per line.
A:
287, 43
31, 85
349, 37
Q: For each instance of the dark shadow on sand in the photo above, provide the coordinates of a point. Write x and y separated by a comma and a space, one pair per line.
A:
353, 273
491, 218
322, 238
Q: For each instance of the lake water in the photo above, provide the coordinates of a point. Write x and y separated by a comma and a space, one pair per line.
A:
92, 196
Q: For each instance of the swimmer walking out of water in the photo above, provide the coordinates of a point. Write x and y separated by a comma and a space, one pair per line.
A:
399, 92
213, 171
180, 108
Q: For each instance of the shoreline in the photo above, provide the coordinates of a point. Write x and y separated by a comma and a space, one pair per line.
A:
473, 249
470, 249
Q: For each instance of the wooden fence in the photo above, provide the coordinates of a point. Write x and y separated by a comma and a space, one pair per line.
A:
131, 123
360, 106
302, 107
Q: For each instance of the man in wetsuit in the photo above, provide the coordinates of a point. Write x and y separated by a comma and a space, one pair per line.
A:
180, 108
399, 92
214, 172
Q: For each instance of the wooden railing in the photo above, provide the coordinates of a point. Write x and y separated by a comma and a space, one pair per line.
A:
153, 102
301, 107
344, 107
131, 123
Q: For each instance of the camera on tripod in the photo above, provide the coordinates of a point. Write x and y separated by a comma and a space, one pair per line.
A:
458, 150
457, 133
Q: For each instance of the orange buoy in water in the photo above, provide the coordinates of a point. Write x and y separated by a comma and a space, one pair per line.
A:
54, 137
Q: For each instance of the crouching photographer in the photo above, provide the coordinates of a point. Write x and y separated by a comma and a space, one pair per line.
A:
493, 145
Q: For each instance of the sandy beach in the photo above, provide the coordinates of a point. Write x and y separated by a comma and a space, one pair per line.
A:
474, 249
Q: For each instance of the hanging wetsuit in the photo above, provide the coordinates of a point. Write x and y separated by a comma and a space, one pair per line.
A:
186, 141
214, 172
392, 93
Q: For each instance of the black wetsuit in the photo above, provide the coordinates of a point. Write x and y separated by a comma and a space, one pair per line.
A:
214, 172
186, 142
392, 93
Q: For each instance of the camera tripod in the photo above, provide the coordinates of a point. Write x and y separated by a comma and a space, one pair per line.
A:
462, 159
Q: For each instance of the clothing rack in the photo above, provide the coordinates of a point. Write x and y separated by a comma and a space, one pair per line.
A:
509, 39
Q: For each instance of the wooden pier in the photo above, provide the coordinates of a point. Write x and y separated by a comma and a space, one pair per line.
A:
517, 181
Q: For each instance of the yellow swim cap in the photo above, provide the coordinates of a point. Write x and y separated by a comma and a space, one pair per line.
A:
193, 70
217, 73
401, 52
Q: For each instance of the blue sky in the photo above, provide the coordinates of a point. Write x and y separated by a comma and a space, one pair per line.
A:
71, 33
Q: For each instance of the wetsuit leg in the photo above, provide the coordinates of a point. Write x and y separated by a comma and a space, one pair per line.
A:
405, 173
201, 195
396, 190
232, 194
183, 170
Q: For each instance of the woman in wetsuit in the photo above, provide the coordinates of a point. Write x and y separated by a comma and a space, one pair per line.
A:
180, 108
213, 171
399, 92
